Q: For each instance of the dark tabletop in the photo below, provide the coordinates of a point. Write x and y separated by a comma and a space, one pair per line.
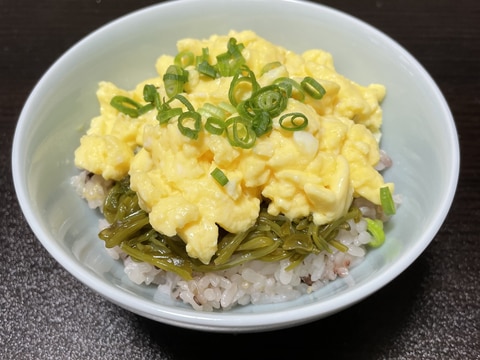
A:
431, 311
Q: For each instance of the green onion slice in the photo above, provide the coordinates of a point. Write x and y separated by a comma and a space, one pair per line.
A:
240, 133
205, 68
174, 79
146, 108
245, 110
234, 48
215, 125
375, 228
386, 199
270, 66
184, 58
262, 123
208, 110
219, 176
189, 124
166, 114
223, 64
245, 75
229, 62
204, 57
297, 91
150, 94
271, 99
126, 105
313, 88
289, 121
227, 107
184, 101
203, 65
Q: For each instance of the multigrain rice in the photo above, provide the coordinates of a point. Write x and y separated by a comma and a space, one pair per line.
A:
255, 282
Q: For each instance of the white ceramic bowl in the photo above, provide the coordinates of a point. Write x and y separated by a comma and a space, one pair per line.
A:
419, 133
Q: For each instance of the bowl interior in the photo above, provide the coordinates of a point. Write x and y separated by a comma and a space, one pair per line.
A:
419, 134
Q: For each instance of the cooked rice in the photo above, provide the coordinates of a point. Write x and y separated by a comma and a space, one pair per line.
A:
256, 282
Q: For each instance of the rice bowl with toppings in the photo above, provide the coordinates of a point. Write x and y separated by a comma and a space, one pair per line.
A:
245, 169
45, 143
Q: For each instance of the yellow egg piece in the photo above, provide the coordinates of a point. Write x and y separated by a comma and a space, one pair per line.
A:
104, 155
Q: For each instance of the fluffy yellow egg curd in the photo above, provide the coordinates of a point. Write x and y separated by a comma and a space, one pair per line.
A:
312, 155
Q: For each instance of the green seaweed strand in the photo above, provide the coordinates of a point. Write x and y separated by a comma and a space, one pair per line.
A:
272, 238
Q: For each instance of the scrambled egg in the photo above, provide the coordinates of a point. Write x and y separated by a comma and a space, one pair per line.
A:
318, 170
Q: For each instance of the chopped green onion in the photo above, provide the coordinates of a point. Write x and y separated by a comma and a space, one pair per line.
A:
292, 125
126, 105
215, 125
219, 176
297, 91
208, 110
375, 228
240, 133
174, 80
204, 57
203, 65
244, 75
270, 66
286, 87
184, 58
245, 110
229, 62
165, 115
234, 48
229, 108
146, 108
262, 123
253, 107
184, 101
205, 68
223, 64
313, 88
271, 99
386, 199
192, 118
150, 93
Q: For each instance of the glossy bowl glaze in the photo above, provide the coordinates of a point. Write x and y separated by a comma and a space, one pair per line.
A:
418, 132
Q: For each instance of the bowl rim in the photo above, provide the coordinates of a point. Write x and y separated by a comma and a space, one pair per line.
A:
225, 321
